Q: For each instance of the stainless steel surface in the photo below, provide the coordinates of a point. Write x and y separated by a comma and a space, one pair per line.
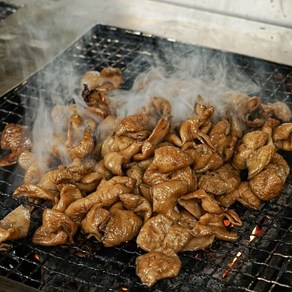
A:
41, 30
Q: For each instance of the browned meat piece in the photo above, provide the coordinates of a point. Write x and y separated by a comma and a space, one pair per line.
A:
282, 136
158, 135
73, 137
153, 232
90, 181
35, 192
95, 221
237, 126
260, 158
15, 224
137, 127
97, 102
177, 238
223, 180
165, 196
246, 197
122, 226
33, 171
216, 224
191, 129
154, 266
250, 142
186, 175
269, 183
71, 174
107, 193
115, 143
222, 140
166, 160
202, 237
69, 193
115, 162
242, 194
56, 229
159, 232
84, 147
158, 107
252, 113
192, 205
136, 172
207, 202
281, 111
204, 158
14, 138
138, 204
26, 159
108, 79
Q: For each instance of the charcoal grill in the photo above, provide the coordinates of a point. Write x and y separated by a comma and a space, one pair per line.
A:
259, 263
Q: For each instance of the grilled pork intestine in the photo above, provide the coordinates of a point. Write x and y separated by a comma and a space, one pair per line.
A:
14, 225
15, 139
170, 186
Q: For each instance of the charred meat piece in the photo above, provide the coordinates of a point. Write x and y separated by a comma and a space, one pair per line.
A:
15, 139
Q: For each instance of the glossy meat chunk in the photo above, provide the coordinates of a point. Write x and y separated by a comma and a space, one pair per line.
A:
15, 224
154, 266
15, 139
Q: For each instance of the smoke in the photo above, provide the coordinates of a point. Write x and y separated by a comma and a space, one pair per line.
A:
182, 76
177, 74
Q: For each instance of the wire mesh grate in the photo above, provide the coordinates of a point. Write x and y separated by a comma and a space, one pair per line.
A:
263, 264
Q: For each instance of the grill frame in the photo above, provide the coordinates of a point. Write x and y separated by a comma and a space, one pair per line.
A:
100, 269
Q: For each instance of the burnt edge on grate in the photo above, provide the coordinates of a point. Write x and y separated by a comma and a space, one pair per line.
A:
261, 265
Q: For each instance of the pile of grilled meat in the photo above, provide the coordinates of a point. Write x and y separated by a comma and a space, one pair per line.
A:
167, 185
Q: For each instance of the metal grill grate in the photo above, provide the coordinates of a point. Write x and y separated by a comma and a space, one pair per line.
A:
263, 264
